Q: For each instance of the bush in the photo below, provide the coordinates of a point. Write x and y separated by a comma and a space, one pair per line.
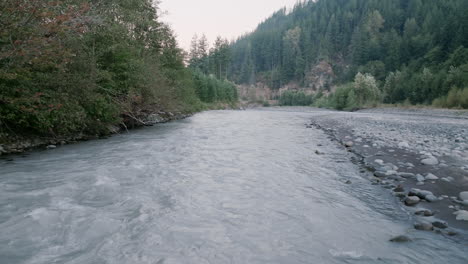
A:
456, 98
290, 98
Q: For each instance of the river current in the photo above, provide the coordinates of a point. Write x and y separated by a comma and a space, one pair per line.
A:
219, 187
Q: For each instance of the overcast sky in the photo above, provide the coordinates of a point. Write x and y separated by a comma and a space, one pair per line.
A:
228, 18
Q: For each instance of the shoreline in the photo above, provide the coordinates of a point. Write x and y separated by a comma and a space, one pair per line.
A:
22, 144
427, 184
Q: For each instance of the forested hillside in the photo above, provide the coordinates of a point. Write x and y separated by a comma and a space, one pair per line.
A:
413, 50
77, 66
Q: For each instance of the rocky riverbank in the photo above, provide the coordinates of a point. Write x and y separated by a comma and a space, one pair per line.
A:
15, 144
421, 156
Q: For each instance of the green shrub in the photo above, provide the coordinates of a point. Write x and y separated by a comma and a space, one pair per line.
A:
291, 98
456, 98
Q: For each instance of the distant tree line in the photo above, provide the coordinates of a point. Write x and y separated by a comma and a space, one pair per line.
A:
76, 66
417, 51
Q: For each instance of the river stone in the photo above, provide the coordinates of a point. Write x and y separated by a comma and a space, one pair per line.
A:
440, 224
424, 226
425, 213
403, 145
399, 189
51, 147
462, 215
379, 161
412, 200
401, 239
431, 177
420, 178
431, 198
406, 174
380, 174
430, 161
463, 196
399, 194
349, 144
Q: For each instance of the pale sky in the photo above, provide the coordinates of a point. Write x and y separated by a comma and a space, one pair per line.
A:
227, 18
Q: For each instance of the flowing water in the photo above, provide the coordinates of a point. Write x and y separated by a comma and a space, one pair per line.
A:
220, 187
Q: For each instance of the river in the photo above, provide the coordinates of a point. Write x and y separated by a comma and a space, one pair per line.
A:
219, 187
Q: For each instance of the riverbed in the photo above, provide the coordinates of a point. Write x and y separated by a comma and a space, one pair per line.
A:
218, 187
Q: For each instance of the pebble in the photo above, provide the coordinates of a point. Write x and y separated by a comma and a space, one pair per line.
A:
425, 213
379, 161
406, 174
440, 224
431, 177
462, 215
403, 145
412, 200
51, 147
430, 161
380, 174
431, 198
401, 239
463, 196
420, 178
349, 144
424, 226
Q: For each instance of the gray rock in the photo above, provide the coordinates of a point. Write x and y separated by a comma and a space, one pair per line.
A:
440, 224
400, 239
420, 178
406, 174
424, 226
430, 161
380, 174
425, 213
51, 147
399, 189
403, 145
349, 144
399, 194
431, 198
412, 200
431, 177
463, 196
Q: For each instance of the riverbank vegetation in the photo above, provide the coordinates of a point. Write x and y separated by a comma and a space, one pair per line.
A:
76, 67
290, 98
417, 51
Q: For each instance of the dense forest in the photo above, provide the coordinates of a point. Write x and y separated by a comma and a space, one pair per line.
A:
411, 51
77, 66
